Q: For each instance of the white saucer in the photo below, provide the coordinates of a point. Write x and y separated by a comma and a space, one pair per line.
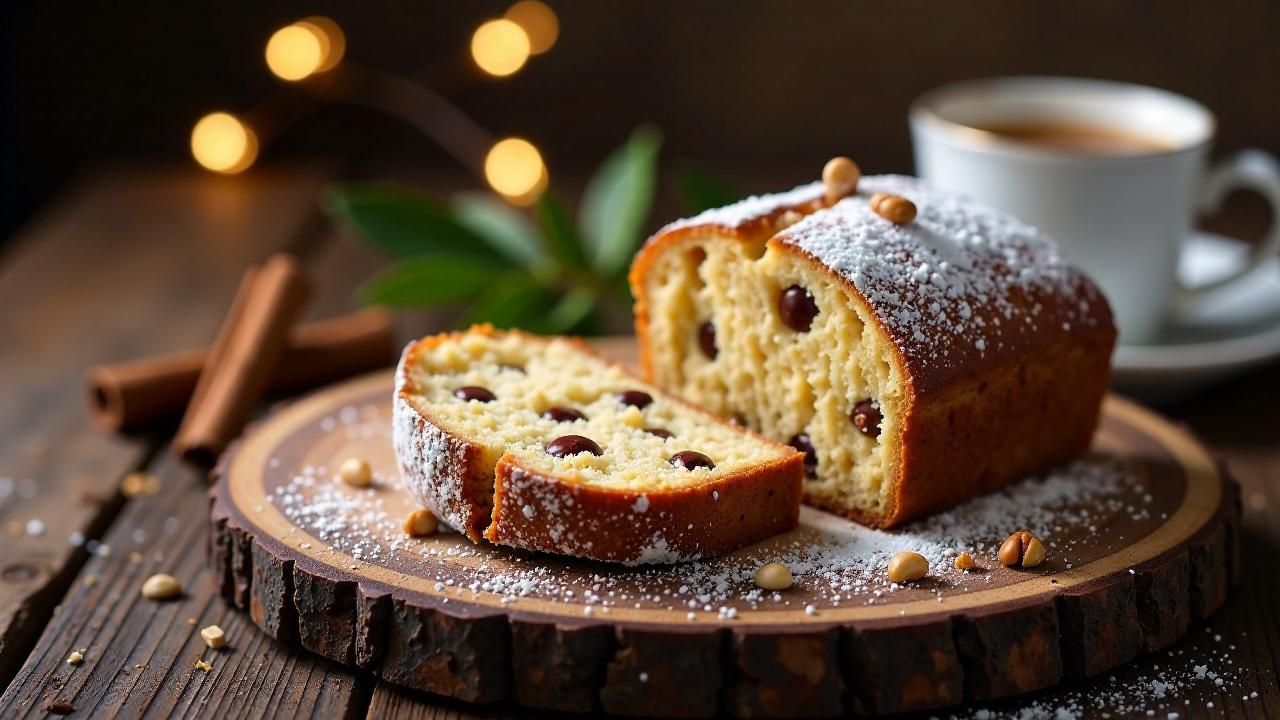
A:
1237, 328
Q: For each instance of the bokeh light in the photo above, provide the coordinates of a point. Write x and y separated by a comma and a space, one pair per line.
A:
500, 47
222, 143
539, 23
514, 168
333, 42
296, 52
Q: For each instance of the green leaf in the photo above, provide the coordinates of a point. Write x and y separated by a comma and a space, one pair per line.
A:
701, 189
617, 200
433, 280
513, 300
504, 228
575, 306
403, 223
559, 232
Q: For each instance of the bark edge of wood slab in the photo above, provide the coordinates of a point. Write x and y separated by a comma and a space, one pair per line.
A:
1070, 623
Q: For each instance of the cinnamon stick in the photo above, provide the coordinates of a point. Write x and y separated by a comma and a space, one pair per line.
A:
139, 393
243, 359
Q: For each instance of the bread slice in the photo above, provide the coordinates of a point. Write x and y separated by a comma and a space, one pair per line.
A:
479, 413
917, 364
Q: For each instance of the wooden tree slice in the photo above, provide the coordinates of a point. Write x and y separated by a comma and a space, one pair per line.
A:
325, 566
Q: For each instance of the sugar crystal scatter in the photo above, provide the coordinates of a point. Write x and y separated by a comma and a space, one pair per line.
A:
835, 563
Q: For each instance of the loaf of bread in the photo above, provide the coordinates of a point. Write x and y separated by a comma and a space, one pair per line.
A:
543, 445
917, 363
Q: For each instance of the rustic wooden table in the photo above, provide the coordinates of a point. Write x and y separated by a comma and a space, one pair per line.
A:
130, 261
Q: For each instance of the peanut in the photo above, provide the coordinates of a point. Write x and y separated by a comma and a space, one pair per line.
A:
356, 472
1021, 548
161, 586
773, 576
907, 566
840, 176
420, 522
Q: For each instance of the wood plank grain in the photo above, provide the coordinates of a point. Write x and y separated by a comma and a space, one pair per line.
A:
255, 677
263, 676
140, 654
391, 702
130, 261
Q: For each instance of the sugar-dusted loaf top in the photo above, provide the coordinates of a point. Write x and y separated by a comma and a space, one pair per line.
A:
753, 210
961, 284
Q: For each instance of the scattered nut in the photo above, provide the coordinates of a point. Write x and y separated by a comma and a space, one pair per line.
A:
191, 621
161, 586
774, 576
420, 522
202, 665
139, 483
840, 176
1022, 548
214, 637
894, 208
907, 566
75, 658
964, 561
356, 472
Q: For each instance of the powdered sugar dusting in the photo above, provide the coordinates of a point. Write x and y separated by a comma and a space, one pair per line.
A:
430, 457
835, 562
960, 278
749, 209
1193, 679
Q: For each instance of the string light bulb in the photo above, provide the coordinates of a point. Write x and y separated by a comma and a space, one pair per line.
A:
221, 142
539, 23
500, 47
514, 168
333, 42
298, 51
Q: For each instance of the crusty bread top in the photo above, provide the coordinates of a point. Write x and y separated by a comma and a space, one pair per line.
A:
959, 287
754, 214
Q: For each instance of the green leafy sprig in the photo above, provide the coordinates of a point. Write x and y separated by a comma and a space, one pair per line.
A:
537, 271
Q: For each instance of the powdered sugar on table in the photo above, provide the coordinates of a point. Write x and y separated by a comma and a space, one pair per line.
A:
835, 562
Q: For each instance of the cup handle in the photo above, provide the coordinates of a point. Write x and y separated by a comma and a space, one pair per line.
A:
1250, 169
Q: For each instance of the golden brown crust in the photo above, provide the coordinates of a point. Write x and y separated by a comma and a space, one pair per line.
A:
514, 506
431, 456
964, 429
538, 512
964, 426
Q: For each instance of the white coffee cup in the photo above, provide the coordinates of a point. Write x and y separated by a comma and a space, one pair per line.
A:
1125, 217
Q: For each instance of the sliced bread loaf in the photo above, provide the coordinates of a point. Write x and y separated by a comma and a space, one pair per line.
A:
544, 445
918, 347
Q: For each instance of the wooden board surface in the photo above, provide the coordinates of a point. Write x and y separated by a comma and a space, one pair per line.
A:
133, 260
325, 566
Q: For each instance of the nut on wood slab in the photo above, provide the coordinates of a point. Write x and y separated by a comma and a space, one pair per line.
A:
161, 586
421, 523
1021, 548
355, 471
387, 616
214, 637
773, 576
907, 566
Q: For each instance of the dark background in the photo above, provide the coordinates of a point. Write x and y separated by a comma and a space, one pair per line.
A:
752, 88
